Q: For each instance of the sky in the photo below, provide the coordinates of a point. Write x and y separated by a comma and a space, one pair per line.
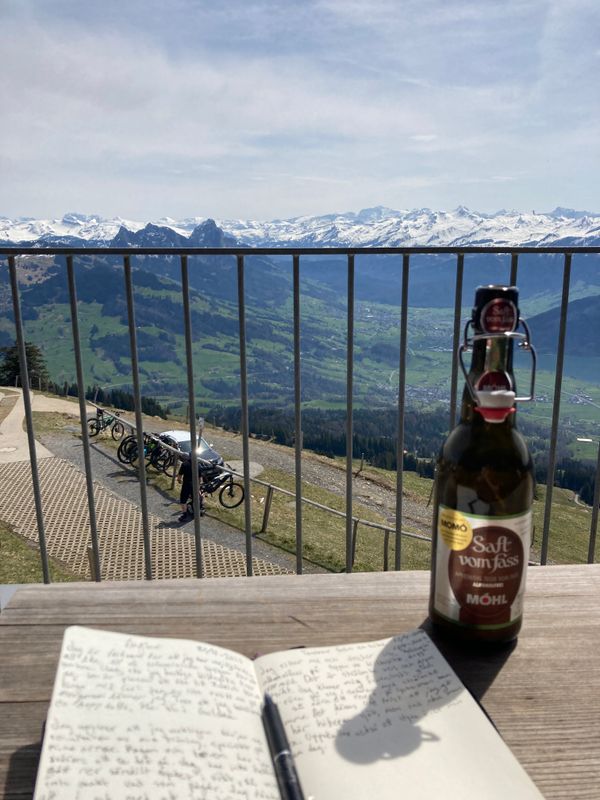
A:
264, 109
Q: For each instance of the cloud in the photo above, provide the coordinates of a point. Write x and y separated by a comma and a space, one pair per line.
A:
137, 105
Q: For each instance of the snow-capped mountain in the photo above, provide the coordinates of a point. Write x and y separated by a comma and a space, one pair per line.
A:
385, 227
370, 227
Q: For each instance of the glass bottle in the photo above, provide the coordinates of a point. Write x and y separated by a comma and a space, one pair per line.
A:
484, 485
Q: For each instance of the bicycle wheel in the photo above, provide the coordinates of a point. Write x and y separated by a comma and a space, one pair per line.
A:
117, 430
127, 451
171, 465
231, 495
159, 458
168, 461
150, 447
93, 427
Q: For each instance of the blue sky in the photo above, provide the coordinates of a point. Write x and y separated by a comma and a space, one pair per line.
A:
264, 109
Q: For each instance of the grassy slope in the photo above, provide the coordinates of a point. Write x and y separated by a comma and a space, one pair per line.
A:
20, 561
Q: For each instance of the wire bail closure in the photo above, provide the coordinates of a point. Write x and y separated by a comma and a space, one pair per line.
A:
523, 341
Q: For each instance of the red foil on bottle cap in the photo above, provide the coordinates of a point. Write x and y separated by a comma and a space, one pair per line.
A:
495, 405
494, 414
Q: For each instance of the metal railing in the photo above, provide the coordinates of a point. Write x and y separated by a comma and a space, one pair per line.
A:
12, 254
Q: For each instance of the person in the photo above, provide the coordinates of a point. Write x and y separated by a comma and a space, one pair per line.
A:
184, 477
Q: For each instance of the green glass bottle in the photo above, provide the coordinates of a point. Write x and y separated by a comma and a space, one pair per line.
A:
484, 485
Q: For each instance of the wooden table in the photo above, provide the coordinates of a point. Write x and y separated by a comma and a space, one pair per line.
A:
543, 694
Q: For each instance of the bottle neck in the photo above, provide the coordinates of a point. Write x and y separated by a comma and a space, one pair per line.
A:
492, 380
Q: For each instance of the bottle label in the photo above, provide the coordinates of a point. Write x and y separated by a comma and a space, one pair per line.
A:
480, 567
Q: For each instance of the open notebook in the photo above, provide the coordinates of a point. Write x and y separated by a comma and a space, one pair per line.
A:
158, 719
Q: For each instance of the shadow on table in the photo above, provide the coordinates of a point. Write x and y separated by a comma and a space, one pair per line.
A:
22, 771
408, 686
476, 665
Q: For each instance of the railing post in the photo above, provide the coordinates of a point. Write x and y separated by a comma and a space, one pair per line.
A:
35, 478
267, 511
187, 320
401, 411
354, 537
94, 551
460, 262
595, 502
514, 266
560, 355
386, 551
137, 400
93, 561
297, 414
349, 414
244, 411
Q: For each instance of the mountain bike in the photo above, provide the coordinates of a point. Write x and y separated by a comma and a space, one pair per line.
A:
157, 456
165, 460
102, 421
127, 452
213, 479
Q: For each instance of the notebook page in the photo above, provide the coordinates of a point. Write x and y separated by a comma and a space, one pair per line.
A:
388, 719
137, 717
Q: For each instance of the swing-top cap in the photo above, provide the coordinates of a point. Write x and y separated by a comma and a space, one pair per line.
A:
495, 405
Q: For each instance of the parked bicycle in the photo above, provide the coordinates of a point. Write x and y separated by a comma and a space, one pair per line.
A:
156, 455
213, 479
165, 460
102, 421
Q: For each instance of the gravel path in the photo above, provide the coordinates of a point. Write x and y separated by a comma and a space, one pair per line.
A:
316, 470
122, 480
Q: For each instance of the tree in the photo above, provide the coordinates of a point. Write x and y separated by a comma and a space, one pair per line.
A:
10, 369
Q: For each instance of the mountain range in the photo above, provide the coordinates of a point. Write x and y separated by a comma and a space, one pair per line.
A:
371, 227
269, 301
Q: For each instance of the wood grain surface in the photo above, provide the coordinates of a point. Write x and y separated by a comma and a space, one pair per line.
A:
543, 693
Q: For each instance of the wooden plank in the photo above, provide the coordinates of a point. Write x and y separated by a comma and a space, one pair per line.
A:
543, 693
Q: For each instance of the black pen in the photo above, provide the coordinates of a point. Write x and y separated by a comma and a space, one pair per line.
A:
283, 763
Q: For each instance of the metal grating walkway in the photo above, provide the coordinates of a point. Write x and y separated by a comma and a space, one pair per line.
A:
66, 519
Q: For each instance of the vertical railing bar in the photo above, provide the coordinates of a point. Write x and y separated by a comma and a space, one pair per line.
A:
401, 411
386, 551
297, 413
35, 478
514, 266
560, 354
267, 511
139, 427
187, 321
245, 420
594, 522
95, 568
355, 522
460, 261
349, 412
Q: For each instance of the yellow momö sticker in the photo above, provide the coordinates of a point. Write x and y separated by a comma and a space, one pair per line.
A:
455, 530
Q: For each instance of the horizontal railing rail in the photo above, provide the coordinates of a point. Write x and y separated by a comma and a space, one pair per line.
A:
12, 253
296, 251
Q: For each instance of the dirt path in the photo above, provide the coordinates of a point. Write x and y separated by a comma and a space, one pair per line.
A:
14, 445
